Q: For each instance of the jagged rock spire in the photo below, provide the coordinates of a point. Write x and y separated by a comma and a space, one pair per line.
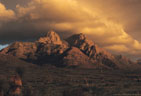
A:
87, 46
51, 38
80, 41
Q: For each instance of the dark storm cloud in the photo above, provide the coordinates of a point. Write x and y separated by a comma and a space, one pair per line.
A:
11, 4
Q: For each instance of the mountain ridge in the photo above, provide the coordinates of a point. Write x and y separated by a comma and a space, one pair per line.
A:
77, 50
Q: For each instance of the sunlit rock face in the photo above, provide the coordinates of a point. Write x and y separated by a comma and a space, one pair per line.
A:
51, 44
91, 49
80, 41
51, 38
77, 50
87, 46
21, 49
47, 46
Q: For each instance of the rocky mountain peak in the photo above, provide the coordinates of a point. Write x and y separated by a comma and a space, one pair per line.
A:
50, 38
78, 50
88, 47
80, 36
83, 43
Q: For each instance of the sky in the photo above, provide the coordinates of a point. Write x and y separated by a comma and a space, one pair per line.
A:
3, 46
113, 24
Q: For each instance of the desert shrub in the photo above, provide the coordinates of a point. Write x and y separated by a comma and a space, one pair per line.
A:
127, 85
95, 91
86, 91
74, 92
27, 91
1, 85
4, 86
20, 71
98, 91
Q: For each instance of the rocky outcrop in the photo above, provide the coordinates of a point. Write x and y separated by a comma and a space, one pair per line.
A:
15, 86
21, 49
124, 63
51, 44
80, 41
50, 48
87, 46
51, 38
92, 50
40, 50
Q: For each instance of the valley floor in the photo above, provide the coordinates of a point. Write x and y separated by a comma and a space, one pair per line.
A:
51, 81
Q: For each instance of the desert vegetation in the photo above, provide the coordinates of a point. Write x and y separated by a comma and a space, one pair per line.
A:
52, 81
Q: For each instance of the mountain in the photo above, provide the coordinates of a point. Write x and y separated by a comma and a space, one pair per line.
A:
75, 51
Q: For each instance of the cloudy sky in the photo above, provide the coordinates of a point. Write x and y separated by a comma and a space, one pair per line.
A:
113, 24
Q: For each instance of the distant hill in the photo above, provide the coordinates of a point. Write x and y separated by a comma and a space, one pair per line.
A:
75, 51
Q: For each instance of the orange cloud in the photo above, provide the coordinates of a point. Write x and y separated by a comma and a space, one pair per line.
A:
5, 14
118, 48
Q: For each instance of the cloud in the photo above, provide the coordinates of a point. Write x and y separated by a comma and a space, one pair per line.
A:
5, 15
53, 11
125, 12
110, 24
118, 48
